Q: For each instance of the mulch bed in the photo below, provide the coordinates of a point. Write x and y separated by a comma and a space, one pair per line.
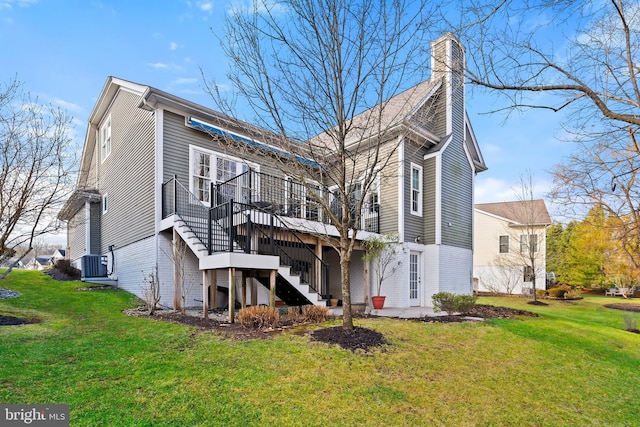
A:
14, 321
358, 339
58, 275
625, 307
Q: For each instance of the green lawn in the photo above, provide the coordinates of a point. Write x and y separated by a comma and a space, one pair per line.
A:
574, 366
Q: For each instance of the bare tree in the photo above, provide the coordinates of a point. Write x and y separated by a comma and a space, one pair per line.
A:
605, 175
502, 278
309, 70
151, 290
382, 252
36, 169
583, 54
532, 217
579, 58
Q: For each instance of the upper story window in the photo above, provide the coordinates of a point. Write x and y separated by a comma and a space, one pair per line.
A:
105, 139
303, 199
105, 203
208, 167
504, 244
416, 189
529, 242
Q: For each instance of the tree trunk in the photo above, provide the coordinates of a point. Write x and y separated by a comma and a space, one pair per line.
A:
345, 280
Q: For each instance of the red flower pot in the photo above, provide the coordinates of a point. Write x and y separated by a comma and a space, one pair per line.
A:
378, 302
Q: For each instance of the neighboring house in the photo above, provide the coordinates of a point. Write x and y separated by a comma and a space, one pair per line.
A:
8, 263
509, 244
158, 169
57, 256
38, 263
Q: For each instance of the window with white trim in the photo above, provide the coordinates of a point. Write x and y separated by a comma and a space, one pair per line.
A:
416, 189
209, 167
303, 199
528, 241
105, 204
372, 198
504, 244
105, 139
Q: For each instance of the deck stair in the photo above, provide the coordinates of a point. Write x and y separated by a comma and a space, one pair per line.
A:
231, 228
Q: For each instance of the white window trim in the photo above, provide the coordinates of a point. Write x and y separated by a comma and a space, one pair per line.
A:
213, 164
105, 150
105, 203
415, 212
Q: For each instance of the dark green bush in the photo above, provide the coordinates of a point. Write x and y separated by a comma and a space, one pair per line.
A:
464, 303
444, 301
65, 267
451, 303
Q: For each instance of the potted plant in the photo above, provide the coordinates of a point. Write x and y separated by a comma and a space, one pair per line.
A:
382, 252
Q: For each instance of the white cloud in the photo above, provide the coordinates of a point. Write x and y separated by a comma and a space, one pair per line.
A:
490, 190
184, 81
69, 106
158, 65
165, 66
205, 6
174, 46
8, 4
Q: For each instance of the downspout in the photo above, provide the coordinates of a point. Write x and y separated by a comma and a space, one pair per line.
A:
87, 227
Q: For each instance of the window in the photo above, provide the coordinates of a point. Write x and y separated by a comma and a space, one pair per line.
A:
529, 241
208, 168
302, 200
504, 244
105, 139
201, 176
416, 189
528, 274
372, 199
105, 203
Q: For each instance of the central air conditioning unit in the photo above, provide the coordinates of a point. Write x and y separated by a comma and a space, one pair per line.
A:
94, 266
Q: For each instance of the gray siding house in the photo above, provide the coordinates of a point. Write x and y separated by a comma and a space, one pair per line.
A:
169, 184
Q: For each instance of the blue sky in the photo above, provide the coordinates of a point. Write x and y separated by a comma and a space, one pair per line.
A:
64, 51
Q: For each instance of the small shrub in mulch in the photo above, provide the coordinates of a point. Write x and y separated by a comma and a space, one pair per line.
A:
64, 271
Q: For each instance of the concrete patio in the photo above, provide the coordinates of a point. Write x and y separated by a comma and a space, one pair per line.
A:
400, 313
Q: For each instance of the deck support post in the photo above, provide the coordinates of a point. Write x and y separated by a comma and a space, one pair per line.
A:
213, 288
244, 289
318, 262
205, 293
176, 271
272, 288
254, 292
232, 294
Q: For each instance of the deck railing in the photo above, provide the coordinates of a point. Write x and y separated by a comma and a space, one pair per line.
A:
289, 198
241, 227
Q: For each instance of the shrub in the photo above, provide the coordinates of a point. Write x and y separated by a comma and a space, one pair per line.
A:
315, 313
541, 293
444, 301
464, 303
573, 293
259, 317
307, 313
557, 292
451, 303
65, 267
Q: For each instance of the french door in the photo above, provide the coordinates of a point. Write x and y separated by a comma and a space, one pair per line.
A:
414, 278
